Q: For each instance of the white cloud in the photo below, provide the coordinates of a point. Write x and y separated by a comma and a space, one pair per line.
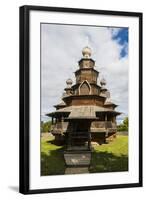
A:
115, 31
61, 47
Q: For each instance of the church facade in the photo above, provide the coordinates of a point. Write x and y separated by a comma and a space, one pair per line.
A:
86, 113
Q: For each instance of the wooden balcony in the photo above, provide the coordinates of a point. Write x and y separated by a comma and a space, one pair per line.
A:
96, 126
59, 125
103, 126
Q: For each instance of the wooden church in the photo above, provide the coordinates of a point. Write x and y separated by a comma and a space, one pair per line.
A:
86, 113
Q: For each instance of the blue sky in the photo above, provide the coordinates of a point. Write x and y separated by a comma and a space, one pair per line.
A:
122, 38
61, 47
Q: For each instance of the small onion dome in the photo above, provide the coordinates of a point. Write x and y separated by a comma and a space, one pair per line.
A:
86, 52
69, 82
103, 81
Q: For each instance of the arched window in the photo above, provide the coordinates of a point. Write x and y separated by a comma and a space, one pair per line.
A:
84, 88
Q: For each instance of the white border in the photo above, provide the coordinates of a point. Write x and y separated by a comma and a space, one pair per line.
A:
45, 182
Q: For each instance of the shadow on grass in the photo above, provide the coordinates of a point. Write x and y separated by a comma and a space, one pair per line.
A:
53, 164
108, 162
55, 143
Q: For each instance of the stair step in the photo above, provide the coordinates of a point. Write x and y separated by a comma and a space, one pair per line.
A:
79, 136
77, 148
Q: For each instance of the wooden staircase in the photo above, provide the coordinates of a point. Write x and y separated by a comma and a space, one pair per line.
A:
78, 152
79, 140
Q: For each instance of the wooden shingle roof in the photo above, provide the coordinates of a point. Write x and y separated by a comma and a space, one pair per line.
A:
82, 112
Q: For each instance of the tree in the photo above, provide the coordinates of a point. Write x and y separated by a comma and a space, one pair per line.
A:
124, 125
45, 126
125, 122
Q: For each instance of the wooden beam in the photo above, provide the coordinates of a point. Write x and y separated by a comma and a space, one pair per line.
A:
62, 120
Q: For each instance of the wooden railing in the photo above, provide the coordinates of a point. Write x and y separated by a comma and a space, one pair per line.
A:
94, 125
103, 124
59, 125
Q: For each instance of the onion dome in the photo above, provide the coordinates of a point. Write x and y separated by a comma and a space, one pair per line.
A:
103, 82
86, 52
69, 82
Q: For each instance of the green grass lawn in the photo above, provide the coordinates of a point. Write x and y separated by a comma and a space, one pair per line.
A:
52, 160
112, 157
